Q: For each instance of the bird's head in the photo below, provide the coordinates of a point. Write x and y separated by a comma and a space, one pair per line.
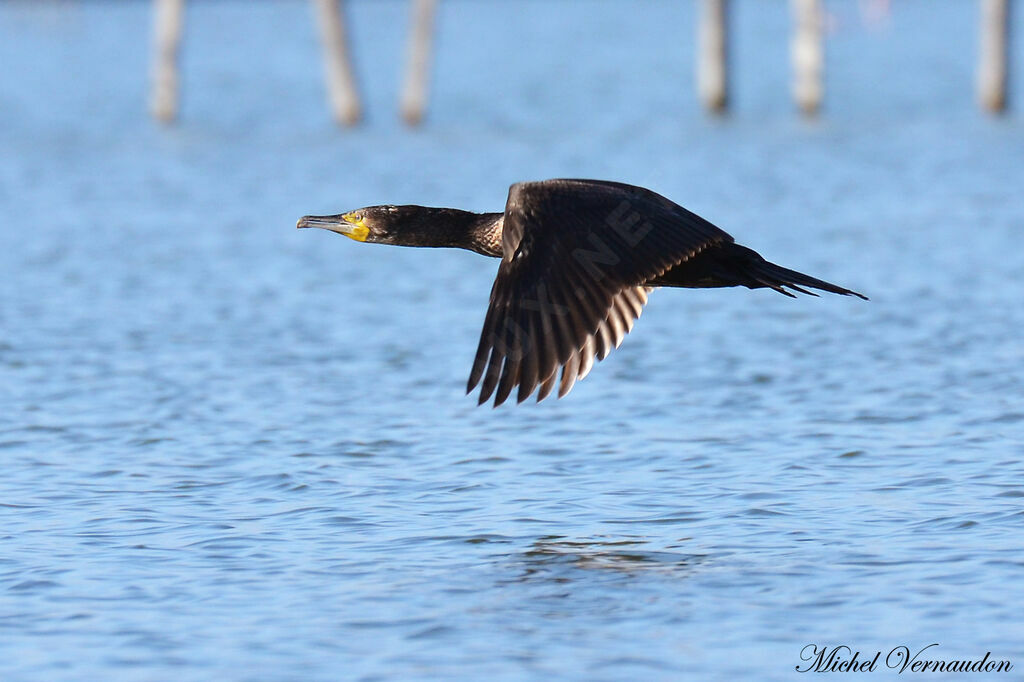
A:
375, 224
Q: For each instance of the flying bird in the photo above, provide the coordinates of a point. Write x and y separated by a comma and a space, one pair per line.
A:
578, 261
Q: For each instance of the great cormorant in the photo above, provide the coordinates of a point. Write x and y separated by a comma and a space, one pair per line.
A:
578, 260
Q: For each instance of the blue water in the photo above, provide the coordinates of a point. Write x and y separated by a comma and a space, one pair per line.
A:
233, 450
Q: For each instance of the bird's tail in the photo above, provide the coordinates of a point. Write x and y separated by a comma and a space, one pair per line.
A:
767, 274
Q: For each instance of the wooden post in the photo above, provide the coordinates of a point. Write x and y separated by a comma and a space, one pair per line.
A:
169, 19
417, 75
712, 55
808, 55
993, 55
341, 87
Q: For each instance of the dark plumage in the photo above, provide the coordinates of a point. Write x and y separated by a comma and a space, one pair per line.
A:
578, 259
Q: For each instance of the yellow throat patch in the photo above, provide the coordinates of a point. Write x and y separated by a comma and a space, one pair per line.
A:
358, 230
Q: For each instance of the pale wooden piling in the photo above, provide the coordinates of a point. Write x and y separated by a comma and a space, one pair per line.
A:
341, 85
712, 55
168, 23
808, 55
417, 75
993, 54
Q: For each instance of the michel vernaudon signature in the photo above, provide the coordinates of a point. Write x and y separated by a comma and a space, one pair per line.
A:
843, 659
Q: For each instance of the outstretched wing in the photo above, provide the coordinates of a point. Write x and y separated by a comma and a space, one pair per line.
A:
576, 256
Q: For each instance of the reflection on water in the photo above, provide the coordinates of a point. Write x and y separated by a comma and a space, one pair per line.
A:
556, 557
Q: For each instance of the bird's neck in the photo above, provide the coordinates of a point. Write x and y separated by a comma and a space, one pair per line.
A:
479, 232
486, 234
